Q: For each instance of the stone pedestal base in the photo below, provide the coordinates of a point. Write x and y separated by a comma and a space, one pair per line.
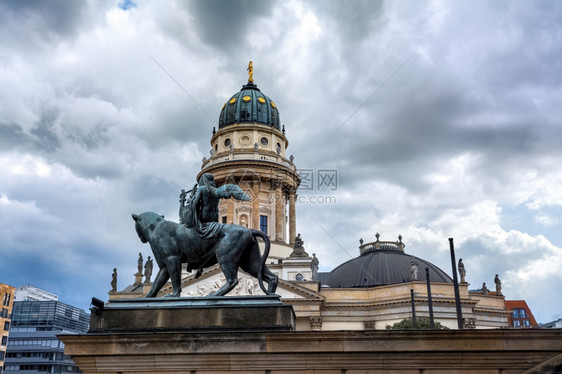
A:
514, 351
262, 313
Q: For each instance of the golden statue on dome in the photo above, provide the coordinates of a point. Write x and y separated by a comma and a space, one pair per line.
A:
250, 73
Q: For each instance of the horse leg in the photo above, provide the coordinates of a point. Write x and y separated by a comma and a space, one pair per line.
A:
174, 267
251, 264
271, 280
252, 268
230, 272
160, 280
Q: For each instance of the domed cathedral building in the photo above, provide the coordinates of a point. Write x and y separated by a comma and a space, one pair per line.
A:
372, 291
250, 150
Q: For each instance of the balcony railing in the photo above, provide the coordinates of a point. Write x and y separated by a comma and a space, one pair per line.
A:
382, 245
249, 156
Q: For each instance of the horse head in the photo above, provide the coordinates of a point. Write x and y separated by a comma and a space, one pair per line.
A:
146, 222
139, 227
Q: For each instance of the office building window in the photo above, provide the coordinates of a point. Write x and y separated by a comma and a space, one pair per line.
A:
6, 326
223, 219
526, 323
6, 300
519, 313
263, 224
4, 340
516, 323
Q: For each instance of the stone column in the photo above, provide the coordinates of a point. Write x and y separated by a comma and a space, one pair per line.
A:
255, 224
278, 213
292, 217
230, 211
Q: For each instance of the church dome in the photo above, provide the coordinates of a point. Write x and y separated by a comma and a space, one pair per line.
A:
249, 105
380, 264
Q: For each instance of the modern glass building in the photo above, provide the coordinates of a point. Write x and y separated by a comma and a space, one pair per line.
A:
33, 345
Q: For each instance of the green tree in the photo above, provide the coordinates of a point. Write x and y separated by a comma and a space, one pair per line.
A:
422, 323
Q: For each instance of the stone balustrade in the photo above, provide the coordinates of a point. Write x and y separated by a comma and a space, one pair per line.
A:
249, 156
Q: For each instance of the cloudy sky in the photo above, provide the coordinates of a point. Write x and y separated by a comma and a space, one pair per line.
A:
442, 119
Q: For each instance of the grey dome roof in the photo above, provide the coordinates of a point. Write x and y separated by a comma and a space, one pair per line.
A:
249, 105
382, 267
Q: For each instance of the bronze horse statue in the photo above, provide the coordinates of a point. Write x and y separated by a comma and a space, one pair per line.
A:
173, 244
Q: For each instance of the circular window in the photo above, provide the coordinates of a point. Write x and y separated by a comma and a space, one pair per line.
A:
299, 277
227, 142
245, 139
272, 104
246, 98
264, 141
233, 100
261, 100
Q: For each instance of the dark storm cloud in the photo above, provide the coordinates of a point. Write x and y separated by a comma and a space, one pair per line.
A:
41, 137
354, 19
45, 137
224, 24
47, 20
12, 137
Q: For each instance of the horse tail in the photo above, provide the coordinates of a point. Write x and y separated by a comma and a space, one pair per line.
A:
265, 238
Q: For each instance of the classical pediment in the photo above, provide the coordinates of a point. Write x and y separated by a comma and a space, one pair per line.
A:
212, 279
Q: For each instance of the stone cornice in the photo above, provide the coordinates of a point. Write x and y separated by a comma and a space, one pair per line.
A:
393, 301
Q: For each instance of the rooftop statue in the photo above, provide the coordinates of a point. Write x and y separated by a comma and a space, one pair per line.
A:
139, 264
462, 271
314, 267
201, 241
148, 270
413, 269
250, 73
114, 281
298, 248
498, 283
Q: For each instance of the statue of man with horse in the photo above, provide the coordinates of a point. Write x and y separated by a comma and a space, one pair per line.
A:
201, 241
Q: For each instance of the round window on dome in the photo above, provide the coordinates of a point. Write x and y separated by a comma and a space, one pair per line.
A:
233, 100
261, 100
227, 142
273, 104
264, 141
246, 98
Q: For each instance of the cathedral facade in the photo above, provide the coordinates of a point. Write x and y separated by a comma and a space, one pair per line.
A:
380, 287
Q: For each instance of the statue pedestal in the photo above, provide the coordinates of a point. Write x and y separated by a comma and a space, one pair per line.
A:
224, 313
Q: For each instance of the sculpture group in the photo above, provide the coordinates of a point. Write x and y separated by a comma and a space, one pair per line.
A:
201, 241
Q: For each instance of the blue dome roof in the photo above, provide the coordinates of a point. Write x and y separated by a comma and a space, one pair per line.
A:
249, 105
